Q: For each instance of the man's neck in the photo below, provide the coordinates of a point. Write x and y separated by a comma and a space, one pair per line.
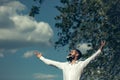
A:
73, 61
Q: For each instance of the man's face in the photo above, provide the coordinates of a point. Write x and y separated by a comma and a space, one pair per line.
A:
72, 55
73, 52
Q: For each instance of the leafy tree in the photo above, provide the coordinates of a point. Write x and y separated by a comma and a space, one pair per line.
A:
91, 21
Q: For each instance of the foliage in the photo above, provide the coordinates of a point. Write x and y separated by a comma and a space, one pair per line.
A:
91, 21
35, 8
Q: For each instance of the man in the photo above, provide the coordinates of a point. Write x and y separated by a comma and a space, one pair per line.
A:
72, 69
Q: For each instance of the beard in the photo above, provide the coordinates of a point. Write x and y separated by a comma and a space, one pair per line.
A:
70, 57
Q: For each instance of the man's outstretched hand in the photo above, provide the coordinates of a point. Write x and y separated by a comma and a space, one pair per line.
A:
102, 44
38, 55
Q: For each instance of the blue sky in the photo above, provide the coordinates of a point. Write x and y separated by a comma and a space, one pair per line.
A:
20, 35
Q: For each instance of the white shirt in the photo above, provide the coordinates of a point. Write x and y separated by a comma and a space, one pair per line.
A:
71, 71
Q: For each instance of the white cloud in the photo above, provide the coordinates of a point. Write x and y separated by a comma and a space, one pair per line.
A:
41, 76
12, 51
83, 47
6, 51
28, 54
21, 30
1, 55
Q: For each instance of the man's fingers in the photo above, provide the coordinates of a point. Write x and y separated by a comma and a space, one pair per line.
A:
103, 42
38, 54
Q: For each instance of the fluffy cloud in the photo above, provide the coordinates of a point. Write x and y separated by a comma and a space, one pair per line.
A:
84, 47
28, 54
40, 76
1, 55
6, 51
18, 30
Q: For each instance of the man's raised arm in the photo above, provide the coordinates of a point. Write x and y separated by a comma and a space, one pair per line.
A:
48, 61
94, 55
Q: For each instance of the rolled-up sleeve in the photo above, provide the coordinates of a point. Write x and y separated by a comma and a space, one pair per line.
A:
85, 63
52, 62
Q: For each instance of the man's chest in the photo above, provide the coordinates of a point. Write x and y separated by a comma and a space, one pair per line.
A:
71, 68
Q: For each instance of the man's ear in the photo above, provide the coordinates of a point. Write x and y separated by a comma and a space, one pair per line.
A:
77, 54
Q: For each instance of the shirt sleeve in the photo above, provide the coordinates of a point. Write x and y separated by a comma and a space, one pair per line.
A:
52, 62
85, 63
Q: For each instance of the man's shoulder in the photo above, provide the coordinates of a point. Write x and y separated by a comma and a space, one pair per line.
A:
80, 61
66, 62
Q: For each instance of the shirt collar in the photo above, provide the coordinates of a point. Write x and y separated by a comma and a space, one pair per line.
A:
75, 62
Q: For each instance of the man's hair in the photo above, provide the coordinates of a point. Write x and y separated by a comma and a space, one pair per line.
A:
80, 54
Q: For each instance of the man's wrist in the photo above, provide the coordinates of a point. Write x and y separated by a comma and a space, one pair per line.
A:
101, 47
41, 57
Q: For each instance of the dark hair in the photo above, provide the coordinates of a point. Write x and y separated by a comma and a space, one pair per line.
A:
80, 54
